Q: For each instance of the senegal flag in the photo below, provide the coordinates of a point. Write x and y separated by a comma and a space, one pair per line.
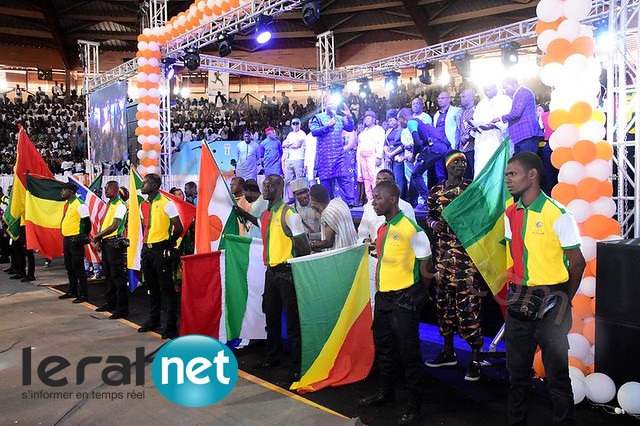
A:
477, 218
28, 159
335, 317
43, 212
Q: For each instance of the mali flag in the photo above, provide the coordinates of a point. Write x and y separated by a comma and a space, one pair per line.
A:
214, 213
335, 317
43, 212
134, 229
28, 159
477, 218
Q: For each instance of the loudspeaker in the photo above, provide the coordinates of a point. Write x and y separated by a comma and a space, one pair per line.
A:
45, 74
617, 305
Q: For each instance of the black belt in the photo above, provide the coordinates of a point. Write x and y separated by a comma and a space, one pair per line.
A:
281, 267
160, 245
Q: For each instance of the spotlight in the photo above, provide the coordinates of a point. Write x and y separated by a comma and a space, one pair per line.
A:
191, 58
169, 70
224, 45
311, 12
462, 62
509, 52
263, 34
603, 38
425, 76
391, 80
365, 90
335, 92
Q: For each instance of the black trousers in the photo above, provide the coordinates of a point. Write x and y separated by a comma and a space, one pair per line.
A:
425, 159
113, 267
550, 333
24, 257
279, 294
157, 268
74, 264
396, 339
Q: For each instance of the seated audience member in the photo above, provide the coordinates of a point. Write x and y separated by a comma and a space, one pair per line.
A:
336, 225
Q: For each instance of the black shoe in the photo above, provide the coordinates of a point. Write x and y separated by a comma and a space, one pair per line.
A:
170, 333
17, 277
104, 308
119, 314
266, 365
148, 326
9, 271
28, 279
378, 398
473, 372
442, 360
67, 296
80, 299
411, 414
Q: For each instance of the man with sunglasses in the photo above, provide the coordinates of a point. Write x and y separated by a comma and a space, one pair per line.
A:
293, 164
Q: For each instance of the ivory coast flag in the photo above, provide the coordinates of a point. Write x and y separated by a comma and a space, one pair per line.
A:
43, 212
28, 159
134, 229
244, 286
477, 218
335, 317
214, 213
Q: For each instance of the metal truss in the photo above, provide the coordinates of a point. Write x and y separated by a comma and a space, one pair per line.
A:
623, 86
157, 15
89, 55
234, 66
165, 134
121, 72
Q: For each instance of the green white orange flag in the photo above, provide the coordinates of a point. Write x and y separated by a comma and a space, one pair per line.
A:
477, 218
335, 317
43, 212
214, 213
28, 159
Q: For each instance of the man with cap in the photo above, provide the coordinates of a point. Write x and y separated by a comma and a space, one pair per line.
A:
369, 153
294, 153
271, 149
310, 217
332, 159
75, 228
248, 156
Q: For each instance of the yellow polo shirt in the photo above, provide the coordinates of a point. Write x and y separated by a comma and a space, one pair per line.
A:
71, 224
278, 248
156, 218
116, 209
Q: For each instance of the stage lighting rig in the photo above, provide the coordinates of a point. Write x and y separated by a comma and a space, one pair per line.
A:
462, 62
425, 76
191, 58
169, 70
391, 80
224, 45
509, 52
311, 12
365, 89
263, 34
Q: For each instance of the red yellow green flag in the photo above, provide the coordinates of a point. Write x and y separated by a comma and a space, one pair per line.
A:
43, 212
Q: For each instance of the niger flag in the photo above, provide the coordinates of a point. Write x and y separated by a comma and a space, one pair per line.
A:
43, 212
29, 160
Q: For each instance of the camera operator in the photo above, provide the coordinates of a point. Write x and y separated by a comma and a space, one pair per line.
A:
113, 247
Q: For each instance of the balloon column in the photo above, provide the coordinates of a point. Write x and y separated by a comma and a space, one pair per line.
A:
149, 72
583, 158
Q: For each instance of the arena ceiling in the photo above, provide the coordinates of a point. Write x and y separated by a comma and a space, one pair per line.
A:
59, 24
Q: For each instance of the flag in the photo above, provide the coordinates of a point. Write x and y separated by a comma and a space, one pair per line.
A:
477, 218
43, 210
203, 295
186, 211
96, 184
134, 229
97, 209
214, 213
335, 317
28, 159
244, 286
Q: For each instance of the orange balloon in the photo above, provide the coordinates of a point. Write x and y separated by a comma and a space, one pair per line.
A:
591, 368
542, 25
606, 189
584, 152
145, 162
142, 37
590, 271
234, 3
547, 59
580, 112
575, 362
600, 227
593, 304
559, 48
584, 45
538, 365
582, 306
589, 189
558, 117
138, 131
576, 324
226, 7
604, 150
561, 155
564, 192
589, 331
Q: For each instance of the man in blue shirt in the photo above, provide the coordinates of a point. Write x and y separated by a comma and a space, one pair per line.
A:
271, 149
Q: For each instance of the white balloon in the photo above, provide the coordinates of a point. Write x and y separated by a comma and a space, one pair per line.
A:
142, 139
581, 209
604, 206
141, 154
142, 123
579, 346
153, 123
613, 238
202, 4
154, 46
592, 131
142, 91
550, 73
577, 9
142, 61
153, 108
142, 77
575, 371
566, 135
141, 169
154, 93
153, 139
549, 10
598, 169
154, 62
579, 389
569, 29
141, 107
588, 286
146, 32
154, 78
153, 169
545, 38
586, 31
143, 45
575, 64
588, 246
152, 154
571, 172
629, 397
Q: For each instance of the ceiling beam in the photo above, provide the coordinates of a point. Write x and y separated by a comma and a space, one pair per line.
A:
362, 7
70, 60
22, 13
107, 35
481, 13
374, 27
100, 18
25, 32
421, 20
349, 40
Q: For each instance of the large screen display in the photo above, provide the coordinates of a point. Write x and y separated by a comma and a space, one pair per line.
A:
108, 123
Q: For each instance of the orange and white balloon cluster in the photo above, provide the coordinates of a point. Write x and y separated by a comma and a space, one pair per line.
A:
150, 72
583, 158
